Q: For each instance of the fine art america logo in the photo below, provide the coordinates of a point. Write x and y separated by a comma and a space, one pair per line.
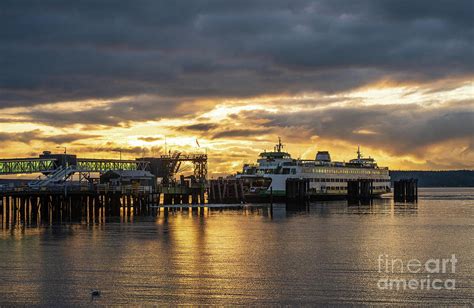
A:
432, 274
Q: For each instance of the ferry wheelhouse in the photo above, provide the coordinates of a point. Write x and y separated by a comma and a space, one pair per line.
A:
327, 178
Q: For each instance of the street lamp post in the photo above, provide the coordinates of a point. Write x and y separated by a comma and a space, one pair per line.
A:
65, 152
67, 166
120, 153
61, 147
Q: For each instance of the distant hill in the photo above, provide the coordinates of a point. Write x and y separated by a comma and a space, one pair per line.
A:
452, 178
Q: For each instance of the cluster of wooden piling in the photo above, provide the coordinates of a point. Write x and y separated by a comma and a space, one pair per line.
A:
182, 195
405, 190
297, 189
187, 191
226, 191
360, 190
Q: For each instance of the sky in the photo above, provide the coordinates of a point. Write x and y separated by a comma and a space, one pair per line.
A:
103, 77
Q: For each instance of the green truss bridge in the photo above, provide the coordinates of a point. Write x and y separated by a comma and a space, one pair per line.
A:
47, 163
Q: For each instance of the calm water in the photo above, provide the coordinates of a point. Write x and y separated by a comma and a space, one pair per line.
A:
251, 255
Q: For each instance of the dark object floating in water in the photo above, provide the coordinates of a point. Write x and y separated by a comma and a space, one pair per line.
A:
95, 292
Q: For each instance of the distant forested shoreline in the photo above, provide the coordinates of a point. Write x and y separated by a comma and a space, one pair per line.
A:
451, 178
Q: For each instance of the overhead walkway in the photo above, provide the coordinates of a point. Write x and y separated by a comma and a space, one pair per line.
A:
27, 165
48, 165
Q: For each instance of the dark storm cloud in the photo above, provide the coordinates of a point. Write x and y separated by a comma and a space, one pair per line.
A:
70, 50
200, 127
398, 129
38, 135
111, 147
231, 133
113, 114
149, 139
224, 129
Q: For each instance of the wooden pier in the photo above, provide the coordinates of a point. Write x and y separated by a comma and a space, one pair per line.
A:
32, 208
53, 205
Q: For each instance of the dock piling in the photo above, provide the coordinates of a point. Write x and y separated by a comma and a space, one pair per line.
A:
405, 190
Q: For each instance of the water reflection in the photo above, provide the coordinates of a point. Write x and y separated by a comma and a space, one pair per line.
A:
324, 253
14, 218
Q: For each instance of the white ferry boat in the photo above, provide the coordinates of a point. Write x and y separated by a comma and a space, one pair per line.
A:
327, 179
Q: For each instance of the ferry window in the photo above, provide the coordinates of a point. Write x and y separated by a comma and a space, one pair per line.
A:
293, 171
286, 171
